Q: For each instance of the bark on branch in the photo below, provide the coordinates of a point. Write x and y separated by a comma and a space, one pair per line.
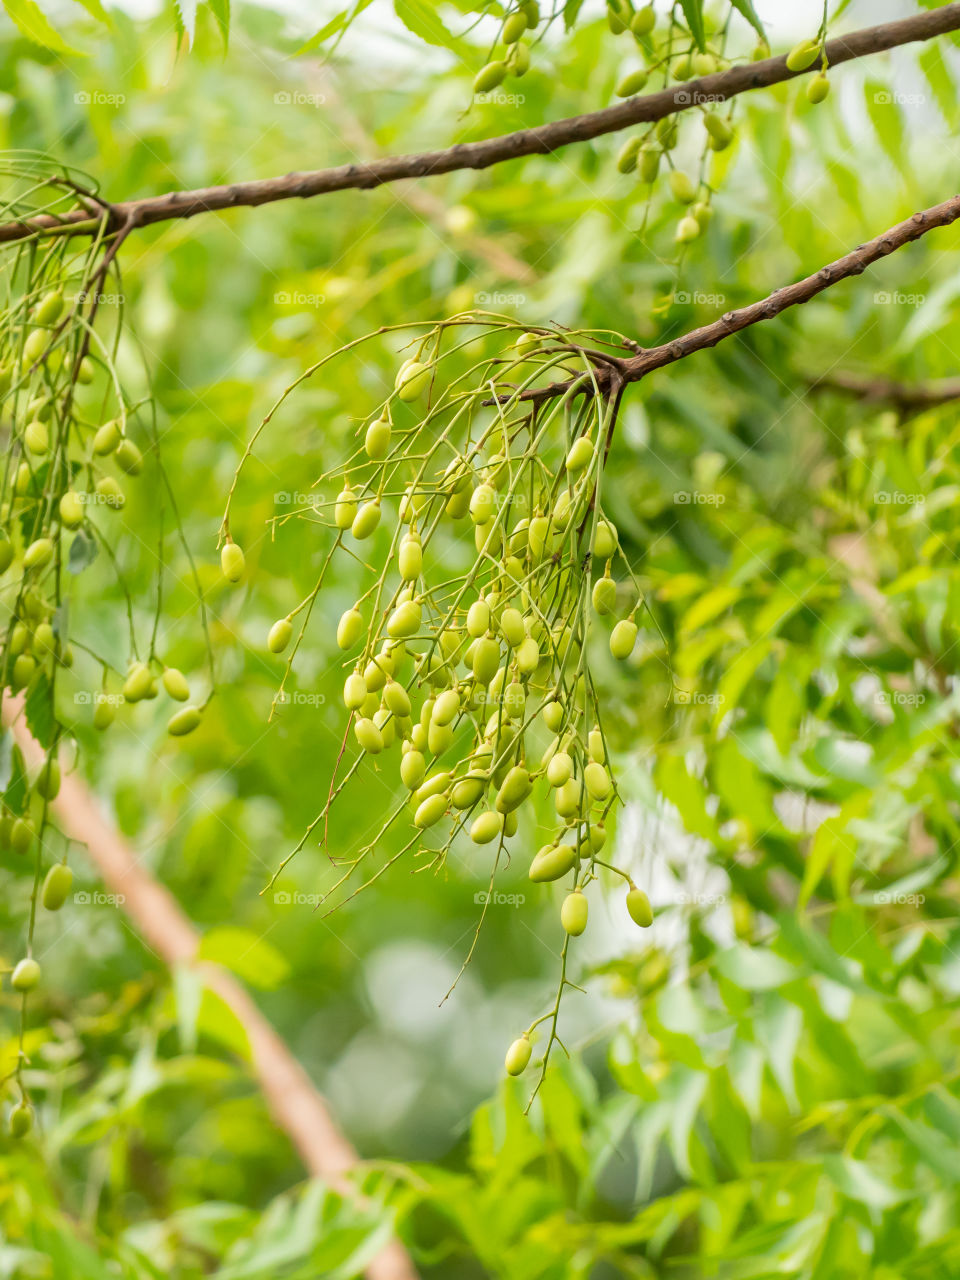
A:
481, 155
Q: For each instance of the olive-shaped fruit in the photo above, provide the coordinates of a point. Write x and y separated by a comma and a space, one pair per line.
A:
26, 975
623, 638
183, 721
638, 906
56, 887
232, 561
518, 1055
573, 913
175, 683
486, 827
552, 862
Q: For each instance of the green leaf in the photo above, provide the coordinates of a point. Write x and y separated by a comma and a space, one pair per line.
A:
245, 954
745, 7
38, 710
693, 12
755, 968
221, 12
83, 551
421, 18
16, 792
34, 24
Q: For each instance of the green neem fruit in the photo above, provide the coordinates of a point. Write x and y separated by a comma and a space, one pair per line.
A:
175, 683
430, 811
573, 913
36, 437
345, 508
48, 780
597, 780
488, 77
718, 128
410, 557
6, 555
23, 668
627, 155
568, 798
44, 639
71, 509
623, 638
26, 975
528, 656
516, 786
687, 229
24, 480
615, 20
604, 595
405, 620
56, 887
369, 707
386, 722
366, 519
35, 345
483, 504
527, 342
595, 748
38, 553
518, 59
129, 457
349, 628
396, 698
86, 371
136, 687
368, 736
446, 708
413, 378
232, 561
682, 187
486, 827
818, 88
104, 712
21, 836
106, 438
537, 536
412, 769
559, 769
478, 618
434, 785
682, 68
21, 1120
510, 824
486, 659
632, 83
468, 791
183, 721
354, 691
514, 27
703, 212
439, 738
760, 52
514, 700
649, 164
49, 307
643, 21
638, 905
518, 1055
531, 9
552, 713
552, 862
19, 638
278, 636
803, 55
580, 455
666, 132
153, 689
377, 440
113, 496
704, 64
597, 836
511, 626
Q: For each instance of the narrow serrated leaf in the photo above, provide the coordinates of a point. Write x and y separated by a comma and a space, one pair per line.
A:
693, 12
38, 710
36, 26
745, 7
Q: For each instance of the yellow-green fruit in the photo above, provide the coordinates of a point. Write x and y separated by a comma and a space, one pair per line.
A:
528, 656
623, 638
44, 639
511, 626
366, 519
559, 769
412, 380
627, 155
649, 164
518, 1055
818, 88
21, 836
349, 628
279, 635
527, 342
486, 827
632, 83
412, 769
682, 187
704, 64
478, 618
638, 905
531, 8
468, 791
368, 736
24, 480
21, 1120
595, 747
537, 537
49, 307
514, 27
703, 212
26, 975
760, 52
597, 780
486, 659
718, 129
396, 698
354, 691
38, 553
643, 21
129, 458
106, 438
446, 708
71, 509
483, 504
6, 555
518, 59
517, 785
410, 558
687, 229
604, 595
489, 77
36, 437
377, 440
553, 715
23, 669
113, 495
439, 738
19, 638
666, 132
35, 345
682, 67
803, 55
175, 683
56, 887
136, 687
568, 798
430, 811
232, 561
573, 913
376, 671
433, 786
552, 862
86, 371
183, 721
405, 620
580, 455
345, 508
104, 712
48, 780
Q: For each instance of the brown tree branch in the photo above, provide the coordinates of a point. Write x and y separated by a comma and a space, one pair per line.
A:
525, 142
293, 1101
908, 397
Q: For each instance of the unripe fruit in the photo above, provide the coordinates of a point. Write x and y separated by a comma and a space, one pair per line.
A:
559, 769
377, 440
136, 687
21, 836
278, 637
649, 164
623, 638
368, 736
434, 785
21, 1120
516, 787
511, 627
552, 862
486, 827
349, 628
468, 791
638, 905
376, 671
703, 212
718, 129
48, 780
106, 438
175, 683
439, 738
366, 519
627, 155
486, 659
666, 132
527, 342
573, 913
446, 708
643, 21
183, 721
514, 27
537, 537
489, 77
232, 561
19, 638
682, 67
405, 620
26, 975
818, 88
23, 481
597, 780
56, 887
632, 83
580, 455
396, 698
413, 378
71, 509
682, 187
412, 769
129, 458
553, 715
704, 64
38, 553
595, 747
803, 55
687, 229
518, 1055
483, 504
23, 669
531, 9
760, 52
528, 656
113, 496
44, 640
604, 595
430, 811
478, 618
49, 307
35, 345
6, 555
514, 700
410, 558
36, 437
568, 798
345, 508
86, 370
104, 712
